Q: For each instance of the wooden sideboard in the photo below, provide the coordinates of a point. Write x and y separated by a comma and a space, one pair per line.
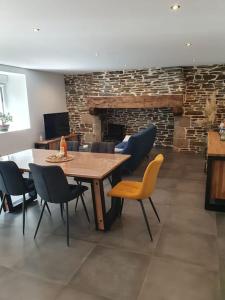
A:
215, 183
54, 143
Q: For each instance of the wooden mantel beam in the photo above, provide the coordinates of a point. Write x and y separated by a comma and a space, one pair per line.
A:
144, 101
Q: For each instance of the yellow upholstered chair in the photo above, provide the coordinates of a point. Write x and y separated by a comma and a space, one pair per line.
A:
136, 190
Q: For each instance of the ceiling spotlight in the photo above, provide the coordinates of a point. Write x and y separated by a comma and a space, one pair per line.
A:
188, 44
36, 29
175, 7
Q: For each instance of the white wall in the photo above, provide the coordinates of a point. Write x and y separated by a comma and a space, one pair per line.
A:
46, 94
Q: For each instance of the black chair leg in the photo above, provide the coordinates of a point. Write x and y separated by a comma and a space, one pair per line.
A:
39, 221
76, 203
41, 201
23, 208
85, 208
2, 204
153, 206
67, 225
61, 210
48, 208
110, 181
121, 208
146, 220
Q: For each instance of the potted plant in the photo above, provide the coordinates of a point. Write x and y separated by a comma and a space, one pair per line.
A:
5, 120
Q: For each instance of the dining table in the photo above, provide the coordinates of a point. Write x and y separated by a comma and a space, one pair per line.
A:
88, 167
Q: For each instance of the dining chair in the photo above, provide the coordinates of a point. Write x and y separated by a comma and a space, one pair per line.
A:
71, 146
136, 190
12, 183
103, 147
52, 186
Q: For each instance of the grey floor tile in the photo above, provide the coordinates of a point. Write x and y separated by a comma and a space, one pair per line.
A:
192, 220
222, 276
220, 221
112, 273
72, 294
53, 260
130, 232
4, 271
166, 183
48, 225
15, 285
132, 208
195, 248
188, 199
80, 228
170, 173
198, 175
221, 245
168, 279
14, 246
187, 185
163, 196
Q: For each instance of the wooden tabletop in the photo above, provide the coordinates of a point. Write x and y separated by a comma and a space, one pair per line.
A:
216, 147
84, 164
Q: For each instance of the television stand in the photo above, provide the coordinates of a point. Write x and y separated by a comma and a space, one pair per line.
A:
53, 144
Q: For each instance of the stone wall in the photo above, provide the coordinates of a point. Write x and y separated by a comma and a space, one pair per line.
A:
195, 83
136, 82
201, 83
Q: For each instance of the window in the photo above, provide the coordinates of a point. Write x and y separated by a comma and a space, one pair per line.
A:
2, 110
13, 100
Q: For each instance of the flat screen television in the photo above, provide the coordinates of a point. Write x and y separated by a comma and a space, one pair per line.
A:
56, 125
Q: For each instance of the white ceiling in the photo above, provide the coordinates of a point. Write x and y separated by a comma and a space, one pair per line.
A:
126, 34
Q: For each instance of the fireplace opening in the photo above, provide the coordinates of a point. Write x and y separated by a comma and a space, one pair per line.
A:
113, 132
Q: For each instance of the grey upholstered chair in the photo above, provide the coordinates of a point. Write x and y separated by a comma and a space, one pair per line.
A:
71, 146
12, 183
52, 186
103, 147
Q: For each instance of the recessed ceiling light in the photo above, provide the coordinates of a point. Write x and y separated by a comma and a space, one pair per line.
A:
175, 7
36, 29
188, 44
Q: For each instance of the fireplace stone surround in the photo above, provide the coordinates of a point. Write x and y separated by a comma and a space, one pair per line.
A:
141, 110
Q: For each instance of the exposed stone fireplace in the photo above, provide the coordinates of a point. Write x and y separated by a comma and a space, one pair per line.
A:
181, 132
134, 113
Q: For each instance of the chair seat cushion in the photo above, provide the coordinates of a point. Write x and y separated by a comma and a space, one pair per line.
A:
126, 189
76, 190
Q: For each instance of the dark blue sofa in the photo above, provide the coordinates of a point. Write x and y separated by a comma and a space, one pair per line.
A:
138, 146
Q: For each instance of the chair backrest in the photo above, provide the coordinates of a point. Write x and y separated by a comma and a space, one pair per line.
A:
139, 145
150, 176
71, 146
51, 183
103, 147
11, 179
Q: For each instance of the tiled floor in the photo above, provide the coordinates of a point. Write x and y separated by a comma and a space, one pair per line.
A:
186, 260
